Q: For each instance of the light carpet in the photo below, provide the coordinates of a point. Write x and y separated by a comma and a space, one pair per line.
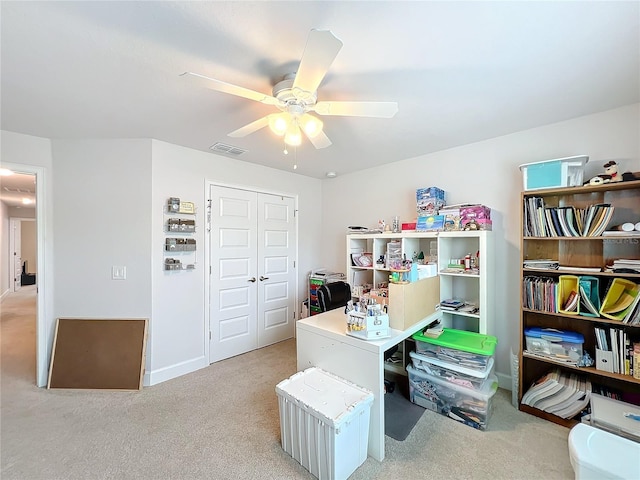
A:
222, 422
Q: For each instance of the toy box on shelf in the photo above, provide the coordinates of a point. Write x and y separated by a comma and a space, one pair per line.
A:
466, 216
475, 217
429, 200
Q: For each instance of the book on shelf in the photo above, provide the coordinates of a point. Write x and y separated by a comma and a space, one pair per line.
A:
579, 269
560, 393
589, 296
571, 303
541, 220
542, 264
620, 233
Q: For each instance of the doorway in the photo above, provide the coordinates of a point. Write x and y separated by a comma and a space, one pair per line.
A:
252, 259
43, 330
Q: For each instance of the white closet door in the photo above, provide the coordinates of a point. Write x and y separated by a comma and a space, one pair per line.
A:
233, 286
253, 281
276, 268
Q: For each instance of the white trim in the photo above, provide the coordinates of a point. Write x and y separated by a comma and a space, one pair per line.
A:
174, 371
5, 293
504, 381
44, 310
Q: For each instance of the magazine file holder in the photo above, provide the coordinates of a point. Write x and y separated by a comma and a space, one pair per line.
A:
589, 288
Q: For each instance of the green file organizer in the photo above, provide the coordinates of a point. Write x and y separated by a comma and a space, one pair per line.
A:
589, 295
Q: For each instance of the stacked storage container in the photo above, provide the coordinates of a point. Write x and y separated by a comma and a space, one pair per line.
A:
324, 422
453, 375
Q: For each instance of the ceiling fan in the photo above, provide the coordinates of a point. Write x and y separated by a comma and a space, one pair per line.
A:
296, 95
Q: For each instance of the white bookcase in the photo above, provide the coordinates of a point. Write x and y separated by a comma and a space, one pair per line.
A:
443, 246
472, 287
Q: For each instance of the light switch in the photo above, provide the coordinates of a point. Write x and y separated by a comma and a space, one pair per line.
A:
118, 273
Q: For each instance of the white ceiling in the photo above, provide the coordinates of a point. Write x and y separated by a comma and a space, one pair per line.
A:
461, 72
14, 189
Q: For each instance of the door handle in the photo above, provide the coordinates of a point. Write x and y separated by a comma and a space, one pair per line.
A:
263, 278
252, 279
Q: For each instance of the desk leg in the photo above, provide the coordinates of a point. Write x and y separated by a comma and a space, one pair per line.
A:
362, 367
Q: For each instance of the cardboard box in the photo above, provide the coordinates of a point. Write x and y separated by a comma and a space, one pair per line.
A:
411, 302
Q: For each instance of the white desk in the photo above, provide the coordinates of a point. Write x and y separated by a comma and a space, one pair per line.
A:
322, 342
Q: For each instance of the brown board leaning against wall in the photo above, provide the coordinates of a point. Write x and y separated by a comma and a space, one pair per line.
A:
98, 354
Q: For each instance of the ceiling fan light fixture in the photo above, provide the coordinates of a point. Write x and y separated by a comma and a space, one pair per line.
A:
311, 125
293, 137
279, 123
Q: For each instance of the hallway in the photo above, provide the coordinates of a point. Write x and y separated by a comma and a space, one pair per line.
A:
18, 339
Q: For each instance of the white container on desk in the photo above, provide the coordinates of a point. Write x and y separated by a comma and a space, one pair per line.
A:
324, 422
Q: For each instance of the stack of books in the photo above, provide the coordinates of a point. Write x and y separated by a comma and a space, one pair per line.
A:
624, 266
451, 304
559, 393
543, 264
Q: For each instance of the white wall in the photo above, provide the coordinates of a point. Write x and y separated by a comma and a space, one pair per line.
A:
485, 172
28, 245
107, 197
179, 303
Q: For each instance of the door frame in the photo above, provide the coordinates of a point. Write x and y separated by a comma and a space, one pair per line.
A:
43, 302
14, 223
207, 281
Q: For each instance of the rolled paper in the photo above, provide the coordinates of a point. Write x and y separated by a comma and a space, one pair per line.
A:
638, 226
626, 227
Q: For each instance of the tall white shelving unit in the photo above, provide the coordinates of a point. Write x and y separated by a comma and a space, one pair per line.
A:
476, 288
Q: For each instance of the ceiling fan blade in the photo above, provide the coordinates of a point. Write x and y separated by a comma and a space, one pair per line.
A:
320, 140
321, 49
357, 109
225, 87
250, 128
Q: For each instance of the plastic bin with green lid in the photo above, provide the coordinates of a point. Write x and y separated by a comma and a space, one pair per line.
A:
458, 347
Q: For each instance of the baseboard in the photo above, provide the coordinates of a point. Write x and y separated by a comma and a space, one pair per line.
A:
504, 381
174, 371
5, 293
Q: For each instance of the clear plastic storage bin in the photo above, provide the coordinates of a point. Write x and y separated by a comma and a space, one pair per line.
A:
465, 377
466, 405
458, 347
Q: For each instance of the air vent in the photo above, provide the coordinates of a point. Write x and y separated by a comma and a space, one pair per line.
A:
226, 149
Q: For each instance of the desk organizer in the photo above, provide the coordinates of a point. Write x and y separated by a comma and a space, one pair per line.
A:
368, 327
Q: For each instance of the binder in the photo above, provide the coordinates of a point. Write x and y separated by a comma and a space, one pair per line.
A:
589, 296
619, 299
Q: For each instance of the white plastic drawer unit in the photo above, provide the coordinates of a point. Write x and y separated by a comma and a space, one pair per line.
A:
324, 422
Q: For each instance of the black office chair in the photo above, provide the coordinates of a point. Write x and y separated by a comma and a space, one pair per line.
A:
333, 295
